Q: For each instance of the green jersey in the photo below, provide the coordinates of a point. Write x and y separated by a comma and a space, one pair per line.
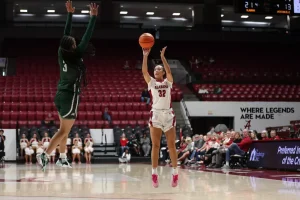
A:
71, 70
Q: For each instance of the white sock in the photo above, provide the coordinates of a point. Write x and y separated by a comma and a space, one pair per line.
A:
227, 163
62, 155
174, 171
154, 170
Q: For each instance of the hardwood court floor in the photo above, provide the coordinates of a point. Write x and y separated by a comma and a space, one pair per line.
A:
132, 182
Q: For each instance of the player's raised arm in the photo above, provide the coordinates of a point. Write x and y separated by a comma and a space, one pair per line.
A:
70, 10
166, 65
145, 65
89, 31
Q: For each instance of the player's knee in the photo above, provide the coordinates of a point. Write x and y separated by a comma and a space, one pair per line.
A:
156, 145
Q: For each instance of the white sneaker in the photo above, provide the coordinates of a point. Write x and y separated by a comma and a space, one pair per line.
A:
63, 163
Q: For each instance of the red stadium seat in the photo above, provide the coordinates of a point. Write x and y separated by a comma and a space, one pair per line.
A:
107, 98
98, 115
143, 106
130, 115
137, 97
104, 105
5, 124
136, 106
116, 123
23, 115
92, 98
114, 97
37, 98
7, 98
132, 123
14, 115
91, 124
106, 124
22, 123
122, 115
99, 124
112, 106
114, 115
48, 106
128, 106
82, 115
6, 115
14, 106
120, 106
39, 106
31, 115
99, 98
82, 107
97, 106
138, 115
146, 115
13, 124
89, 106
6, 106
15, 98
129, 97
141, 123
122, 97
90, 115
124, 123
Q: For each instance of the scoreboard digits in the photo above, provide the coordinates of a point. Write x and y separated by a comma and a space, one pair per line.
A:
284, 7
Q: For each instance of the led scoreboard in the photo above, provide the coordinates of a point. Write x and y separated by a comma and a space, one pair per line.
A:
283, 7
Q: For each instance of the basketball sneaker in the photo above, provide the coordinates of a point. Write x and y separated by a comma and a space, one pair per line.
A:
43, 160
174, 180
63, 162
155, 180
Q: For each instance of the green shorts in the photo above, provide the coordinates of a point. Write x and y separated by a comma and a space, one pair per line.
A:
67, 104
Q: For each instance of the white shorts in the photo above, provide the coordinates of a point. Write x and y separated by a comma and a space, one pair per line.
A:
163, 119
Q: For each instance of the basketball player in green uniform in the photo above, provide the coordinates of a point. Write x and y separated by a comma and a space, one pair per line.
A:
72, 75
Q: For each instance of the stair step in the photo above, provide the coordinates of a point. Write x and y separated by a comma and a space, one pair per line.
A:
104, 148
104, 154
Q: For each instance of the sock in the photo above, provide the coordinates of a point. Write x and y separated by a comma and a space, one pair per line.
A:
48, 156
62, 155
174, 171
154, 170
227, 163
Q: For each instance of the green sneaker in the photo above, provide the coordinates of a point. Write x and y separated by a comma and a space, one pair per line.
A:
63, 162
43, 160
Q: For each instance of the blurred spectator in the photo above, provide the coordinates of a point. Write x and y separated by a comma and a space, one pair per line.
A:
217, 90
106, 115
123, 143
203, 90
237, 137
145, 96
264, 135
77, 139
76, 149
187, 151
125, 157
88, 143
126, 65
217, 155
34, 142
274, 135
46, 140
145, 142
253, 135
238, 148
49, 121
23, 143
2, 146
28, 154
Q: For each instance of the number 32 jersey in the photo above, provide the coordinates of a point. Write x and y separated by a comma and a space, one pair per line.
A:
160, 92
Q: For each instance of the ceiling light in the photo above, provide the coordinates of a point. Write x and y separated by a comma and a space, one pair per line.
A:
156, 7
52, 15
257, 23
122, 6
227, 21
268, 17
149, 13
155, 17
244, 16
50, 11
80, 16
123, 12
222, 15
179, 19
23, 11
130, 17
176, 14
85, 11
190, 8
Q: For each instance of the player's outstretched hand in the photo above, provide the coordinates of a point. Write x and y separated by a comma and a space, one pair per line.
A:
146, 52
94, 9
162, 52
69, 7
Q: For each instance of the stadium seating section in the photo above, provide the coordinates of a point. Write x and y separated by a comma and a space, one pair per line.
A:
250, 92
28, 98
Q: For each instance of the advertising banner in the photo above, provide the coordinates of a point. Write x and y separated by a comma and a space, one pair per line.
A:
283, 154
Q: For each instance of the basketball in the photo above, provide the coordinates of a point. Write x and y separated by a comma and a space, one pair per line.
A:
146, 41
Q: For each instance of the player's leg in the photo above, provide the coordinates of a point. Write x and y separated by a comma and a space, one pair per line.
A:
155, 138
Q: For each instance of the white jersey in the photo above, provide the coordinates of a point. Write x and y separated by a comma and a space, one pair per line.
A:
160, 92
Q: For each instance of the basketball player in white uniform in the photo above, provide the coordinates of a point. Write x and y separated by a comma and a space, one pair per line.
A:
162, 117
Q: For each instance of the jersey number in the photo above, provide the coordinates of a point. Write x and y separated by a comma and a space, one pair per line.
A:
65, 67
162, 93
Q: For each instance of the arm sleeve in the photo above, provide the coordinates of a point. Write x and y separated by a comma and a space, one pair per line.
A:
243, 143
87, 36
68, 26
